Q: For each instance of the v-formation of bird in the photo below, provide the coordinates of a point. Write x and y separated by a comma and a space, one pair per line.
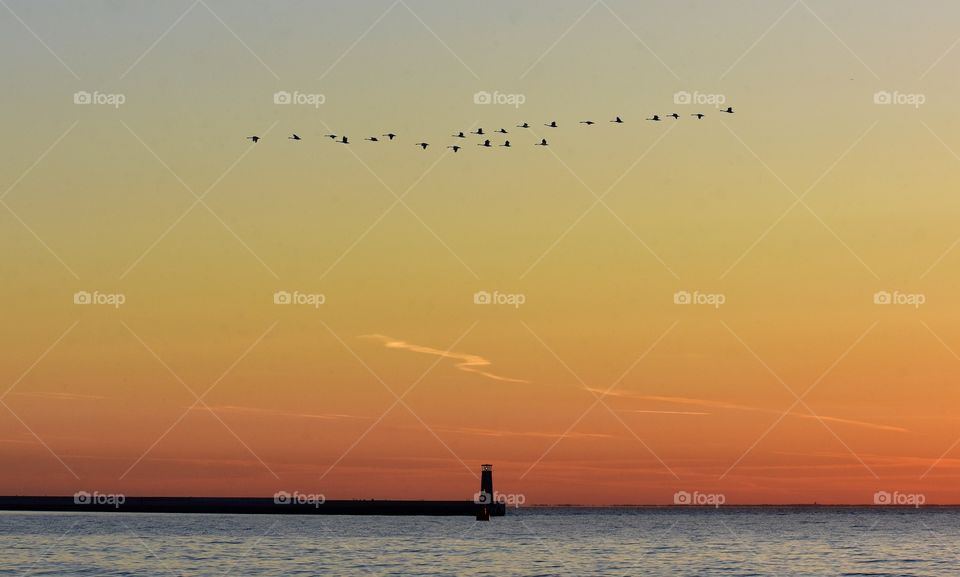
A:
486, 142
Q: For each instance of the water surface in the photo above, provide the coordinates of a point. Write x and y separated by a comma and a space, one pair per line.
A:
558, 541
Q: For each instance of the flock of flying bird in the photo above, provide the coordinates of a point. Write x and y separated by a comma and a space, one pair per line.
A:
486, 142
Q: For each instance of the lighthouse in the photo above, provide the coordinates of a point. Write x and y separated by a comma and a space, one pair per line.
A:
486, 504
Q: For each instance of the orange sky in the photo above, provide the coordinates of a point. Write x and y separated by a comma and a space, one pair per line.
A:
788, 378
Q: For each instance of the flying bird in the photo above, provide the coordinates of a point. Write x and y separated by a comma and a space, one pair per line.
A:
479, 131
458, 135
617, 120
524, 125
389, 135
372, 139
344, 140
729, 110
485, 143
331, 136
422, 145
553, 124
294, 136
674, 115
255, 139
699, 115
587, 122
506, 144
454, 147
543, 142
656, 118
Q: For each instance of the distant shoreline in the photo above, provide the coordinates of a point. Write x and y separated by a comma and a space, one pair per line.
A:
746, 506
270, 505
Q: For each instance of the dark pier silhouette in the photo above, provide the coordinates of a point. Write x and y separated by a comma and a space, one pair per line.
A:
483, 506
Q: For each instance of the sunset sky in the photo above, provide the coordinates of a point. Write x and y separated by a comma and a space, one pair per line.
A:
599, 388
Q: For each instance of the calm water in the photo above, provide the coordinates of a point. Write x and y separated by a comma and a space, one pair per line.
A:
727, 541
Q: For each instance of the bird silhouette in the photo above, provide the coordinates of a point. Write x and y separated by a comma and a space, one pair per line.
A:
587, 122
479, 131
553, 124
372, 139
699, 115
502, 131
485, 143
344, 140
422, 145
617, 120
543, 142
524, 125
655, 118
389, 135
454, 147
255, 139
458, 135
729, 110
294, 136
506, 144
331, 136
674, 115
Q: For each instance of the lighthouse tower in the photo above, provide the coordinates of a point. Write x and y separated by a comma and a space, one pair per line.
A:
486, 480
486, 505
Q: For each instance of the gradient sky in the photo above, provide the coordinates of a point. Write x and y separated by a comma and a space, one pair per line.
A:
97, 198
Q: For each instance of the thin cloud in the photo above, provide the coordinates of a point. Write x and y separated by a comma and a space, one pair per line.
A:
533, 434
468, 363
274, 413
736, 407
668, 412
57, 396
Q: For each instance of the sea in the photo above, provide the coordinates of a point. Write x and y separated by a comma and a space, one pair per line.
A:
530, 541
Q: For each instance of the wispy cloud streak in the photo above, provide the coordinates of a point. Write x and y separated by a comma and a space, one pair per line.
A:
467, 362
736, 407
